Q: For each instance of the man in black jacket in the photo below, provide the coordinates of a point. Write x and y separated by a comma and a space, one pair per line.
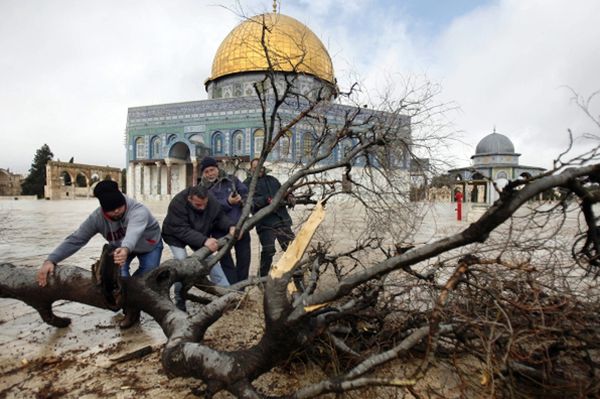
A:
277, 224
231, 193
192, 216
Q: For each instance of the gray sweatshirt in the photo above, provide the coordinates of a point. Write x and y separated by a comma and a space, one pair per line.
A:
138, 231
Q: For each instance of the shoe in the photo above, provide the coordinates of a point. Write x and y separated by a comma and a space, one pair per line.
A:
180, 304
131, 318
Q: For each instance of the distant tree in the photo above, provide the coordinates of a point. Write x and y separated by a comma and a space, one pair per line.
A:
444, 180
34, 182
72, 160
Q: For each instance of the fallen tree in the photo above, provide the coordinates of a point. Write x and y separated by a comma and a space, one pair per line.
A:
511, 310
539, 328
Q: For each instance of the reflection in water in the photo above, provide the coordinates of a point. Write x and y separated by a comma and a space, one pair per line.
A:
30, 229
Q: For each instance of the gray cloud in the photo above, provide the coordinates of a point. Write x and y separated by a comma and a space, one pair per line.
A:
507, 64
70, 69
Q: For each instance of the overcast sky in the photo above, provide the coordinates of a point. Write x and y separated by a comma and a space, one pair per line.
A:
69, 69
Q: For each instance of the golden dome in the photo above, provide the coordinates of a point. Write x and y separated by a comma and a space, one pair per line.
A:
292, 48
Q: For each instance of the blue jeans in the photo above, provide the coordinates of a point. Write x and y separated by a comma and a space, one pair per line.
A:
148, 261
238, 270
216, 273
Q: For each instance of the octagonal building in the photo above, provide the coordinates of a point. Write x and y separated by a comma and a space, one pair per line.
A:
495, 162
165, 143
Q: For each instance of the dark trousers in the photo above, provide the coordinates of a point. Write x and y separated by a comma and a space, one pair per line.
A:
281, 232
240, 271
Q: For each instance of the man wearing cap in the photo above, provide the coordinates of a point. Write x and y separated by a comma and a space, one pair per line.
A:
127, 225
192, 218
231, 193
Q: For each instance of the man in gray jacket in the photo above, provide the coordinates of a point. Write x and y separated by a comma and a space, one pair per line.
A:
127, 225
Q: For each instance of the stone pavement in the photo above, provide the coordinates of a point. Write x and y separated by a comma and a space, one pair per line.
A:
93, 334
93, 337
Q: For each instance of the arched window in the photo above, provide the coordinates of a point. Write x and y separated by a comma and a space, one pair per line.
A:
80, 180
66, 179
502, 175
238, 143
140, 148
155, 148
180, 151
237, 90
259, 138
284, 145
217, 143
307, 145
171, 139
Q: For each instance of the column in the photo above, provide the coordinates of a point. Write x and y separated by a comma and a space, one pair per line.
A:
158, 177
169, 183
130, 173
73, 186
194, 171
142, 170
486, 193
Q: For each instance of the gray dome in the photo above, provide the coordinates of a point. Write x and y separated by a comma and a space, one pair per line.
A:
495, 143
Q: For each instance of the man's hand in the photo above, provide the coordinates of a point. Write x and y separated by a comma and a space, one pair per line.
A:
290, 200
232, 233
120, 255
234, 199
42, 275
211, 243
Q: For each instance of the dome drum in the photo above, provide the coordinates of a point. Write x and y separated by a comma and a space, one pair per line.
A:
242, 85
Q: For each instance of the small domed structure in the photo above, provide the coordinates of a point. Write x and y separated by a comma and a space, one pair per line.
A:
495, 143
495, 163
495, 148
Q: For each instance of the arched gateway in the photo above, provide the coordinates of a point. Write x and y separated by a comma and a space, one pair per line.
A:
66, 180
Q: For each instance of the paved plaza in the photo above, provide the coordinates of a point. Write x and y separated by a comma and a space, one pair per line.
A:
93, 340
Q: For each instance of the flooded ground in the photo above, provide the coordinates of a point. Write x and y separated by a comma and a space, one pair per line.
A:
32, 229
86, 358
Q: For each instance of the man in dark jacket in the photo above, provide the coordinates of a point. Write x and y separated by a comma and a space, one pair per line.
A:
192, 218
127, 225
277, 224
231, 193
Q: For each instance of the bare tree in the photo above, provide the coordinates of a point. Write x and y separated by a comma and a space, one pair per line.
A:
509, 304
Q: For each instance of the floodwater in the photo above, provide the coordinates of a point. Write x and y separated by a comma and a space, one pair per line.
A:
31, 229
93, 343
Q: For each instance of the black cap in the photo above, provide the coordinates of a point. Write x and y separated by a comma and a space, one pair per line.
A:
206, 162
109, 195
